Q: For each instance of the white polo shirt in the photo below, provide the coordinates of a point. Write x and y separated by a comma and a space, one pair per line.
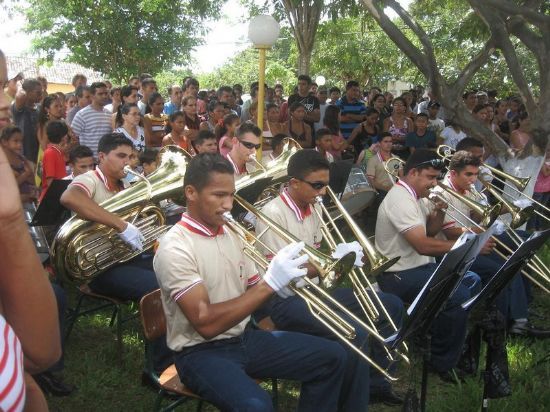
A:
190, 254
454, 219
303, 224
377, 172
400, 211
96, 185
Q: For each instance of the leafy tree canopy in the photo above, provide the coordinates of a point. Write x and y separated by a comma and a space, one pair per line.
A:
119, 38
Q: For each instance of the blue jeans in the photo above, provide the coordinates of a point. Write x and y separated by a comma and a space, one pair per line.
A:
449, 327
127, 281
222, 371
293, 314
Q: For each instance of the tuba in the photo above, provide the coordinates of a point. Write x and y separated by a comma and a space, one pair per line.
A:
83, 249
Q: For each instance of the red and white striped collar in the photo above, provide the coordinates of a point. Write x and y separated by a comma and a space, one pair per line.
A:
449, 180
380, 157
103, 178
409, 189
196, 227
236, 168
298, 212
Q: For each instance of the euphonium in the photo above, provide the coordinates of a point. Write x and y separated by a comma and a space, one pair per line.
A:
82, 249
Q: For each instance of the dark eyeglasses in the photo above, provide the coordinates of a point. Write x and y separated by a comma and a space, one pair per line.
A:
314, 185
250, 145
435, 163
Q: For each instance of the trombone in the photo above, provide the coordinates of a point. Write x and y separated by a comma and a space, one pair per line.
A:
518, 184
330, 271
486, 212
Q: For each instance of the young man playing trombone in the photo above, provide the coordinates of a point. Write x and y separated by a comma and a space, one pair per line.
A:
512, 302
209, 289
407, 226
296, 211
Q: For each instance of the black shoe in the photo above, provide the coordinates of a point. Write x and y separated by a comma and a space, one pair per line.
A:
528, 330
387, 397
54, 385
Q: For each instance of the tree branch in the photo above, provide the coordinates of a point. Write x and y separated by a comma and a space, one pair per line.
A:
516, 26
533, 16
393, 32
474, 65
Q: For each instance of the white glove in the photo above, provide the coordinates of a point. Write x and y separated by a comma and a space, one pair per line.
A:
284, 268
498, 227
522, 203
342, 249
133, 237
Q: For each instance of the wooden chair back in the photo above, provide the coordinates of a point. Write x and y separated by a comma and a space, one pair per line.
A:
152, 315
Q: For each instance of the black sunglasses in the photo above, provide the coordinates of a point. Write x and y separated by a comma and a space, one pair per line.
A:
435, 163
314, 185
250, 145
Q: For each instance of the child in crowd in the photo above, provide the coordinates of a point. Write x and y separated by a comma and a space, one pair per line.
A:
452, 134
154, 121
81, 160
53, 163
12, 143
421, 138
226, 131
176, 133
135, 165
323, 140
148, 159
435, 124
277, 143
206, 142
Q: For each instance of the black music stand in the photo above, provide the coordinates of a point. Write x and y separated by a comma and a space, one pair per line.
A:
51, 212
432, 298
339, 174
494, 334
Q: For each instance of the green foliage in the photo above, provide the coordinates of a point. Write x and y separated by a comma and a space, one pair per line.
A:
119, 38
243, 69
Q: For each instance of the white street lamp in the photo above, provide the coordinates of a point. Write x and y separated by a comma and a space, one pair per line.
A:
263, 31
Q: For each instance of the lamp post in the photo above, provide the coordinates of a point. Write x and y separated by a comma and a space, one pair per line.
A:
263, 31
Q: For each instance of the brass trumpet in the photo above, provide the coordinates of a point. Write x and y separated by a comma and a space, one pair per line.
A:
314, 295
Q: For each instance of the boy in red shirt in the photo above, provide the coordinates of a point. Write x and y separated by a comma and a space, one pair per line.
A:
53, 164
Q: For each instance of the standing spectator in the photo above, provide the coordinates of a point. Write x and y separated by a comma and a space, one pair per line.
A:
25, 116
334, 94
50, 109
469, 99
174, 105
154, 121
11, 139
134, 82
216, 111
245, 112
272, 125
70, 101
421, 138
500, 120
53, 163
130, 119
191, 88
309, 102
399, 125
436, 125
521, 135
452, 134
322, 95
44, 82
142, 77
298, 129
378, 103
148, 87
352, 109
93, 121
176, 135
192, 120
84, 98
225, 95
116, 100
279, 98
13, 80
365, 133
128, 95
79, 80
238, 91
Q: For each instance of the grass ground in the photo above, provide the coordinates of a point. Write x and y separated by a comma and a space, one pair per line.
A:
104, 385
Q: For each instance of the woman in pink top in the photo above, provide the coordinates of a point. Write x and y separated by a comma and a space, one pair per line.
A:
226, 131
520, 137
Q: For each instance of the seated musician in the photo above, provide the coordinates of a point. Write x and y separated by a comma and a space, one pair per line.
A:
245, 144
135, 278
406, 227
512, 302
293, 210
209, 289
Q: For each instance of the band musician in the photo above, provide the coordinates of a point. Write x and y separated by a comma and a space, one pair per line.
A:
295, 211
512, 302
245, 143
407, 226
209, 289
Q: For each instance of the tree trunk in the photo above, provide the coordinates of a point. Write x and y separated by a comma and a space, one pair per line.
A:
304, 60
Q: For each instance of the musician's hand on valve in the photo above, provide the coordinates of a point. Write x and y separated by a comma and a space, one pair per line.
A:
488, 247
133, 237
285, 267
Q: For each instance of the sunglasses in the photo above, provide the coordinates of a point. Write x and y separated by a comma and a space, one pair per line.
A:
250, 145
314, 185
435, 163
